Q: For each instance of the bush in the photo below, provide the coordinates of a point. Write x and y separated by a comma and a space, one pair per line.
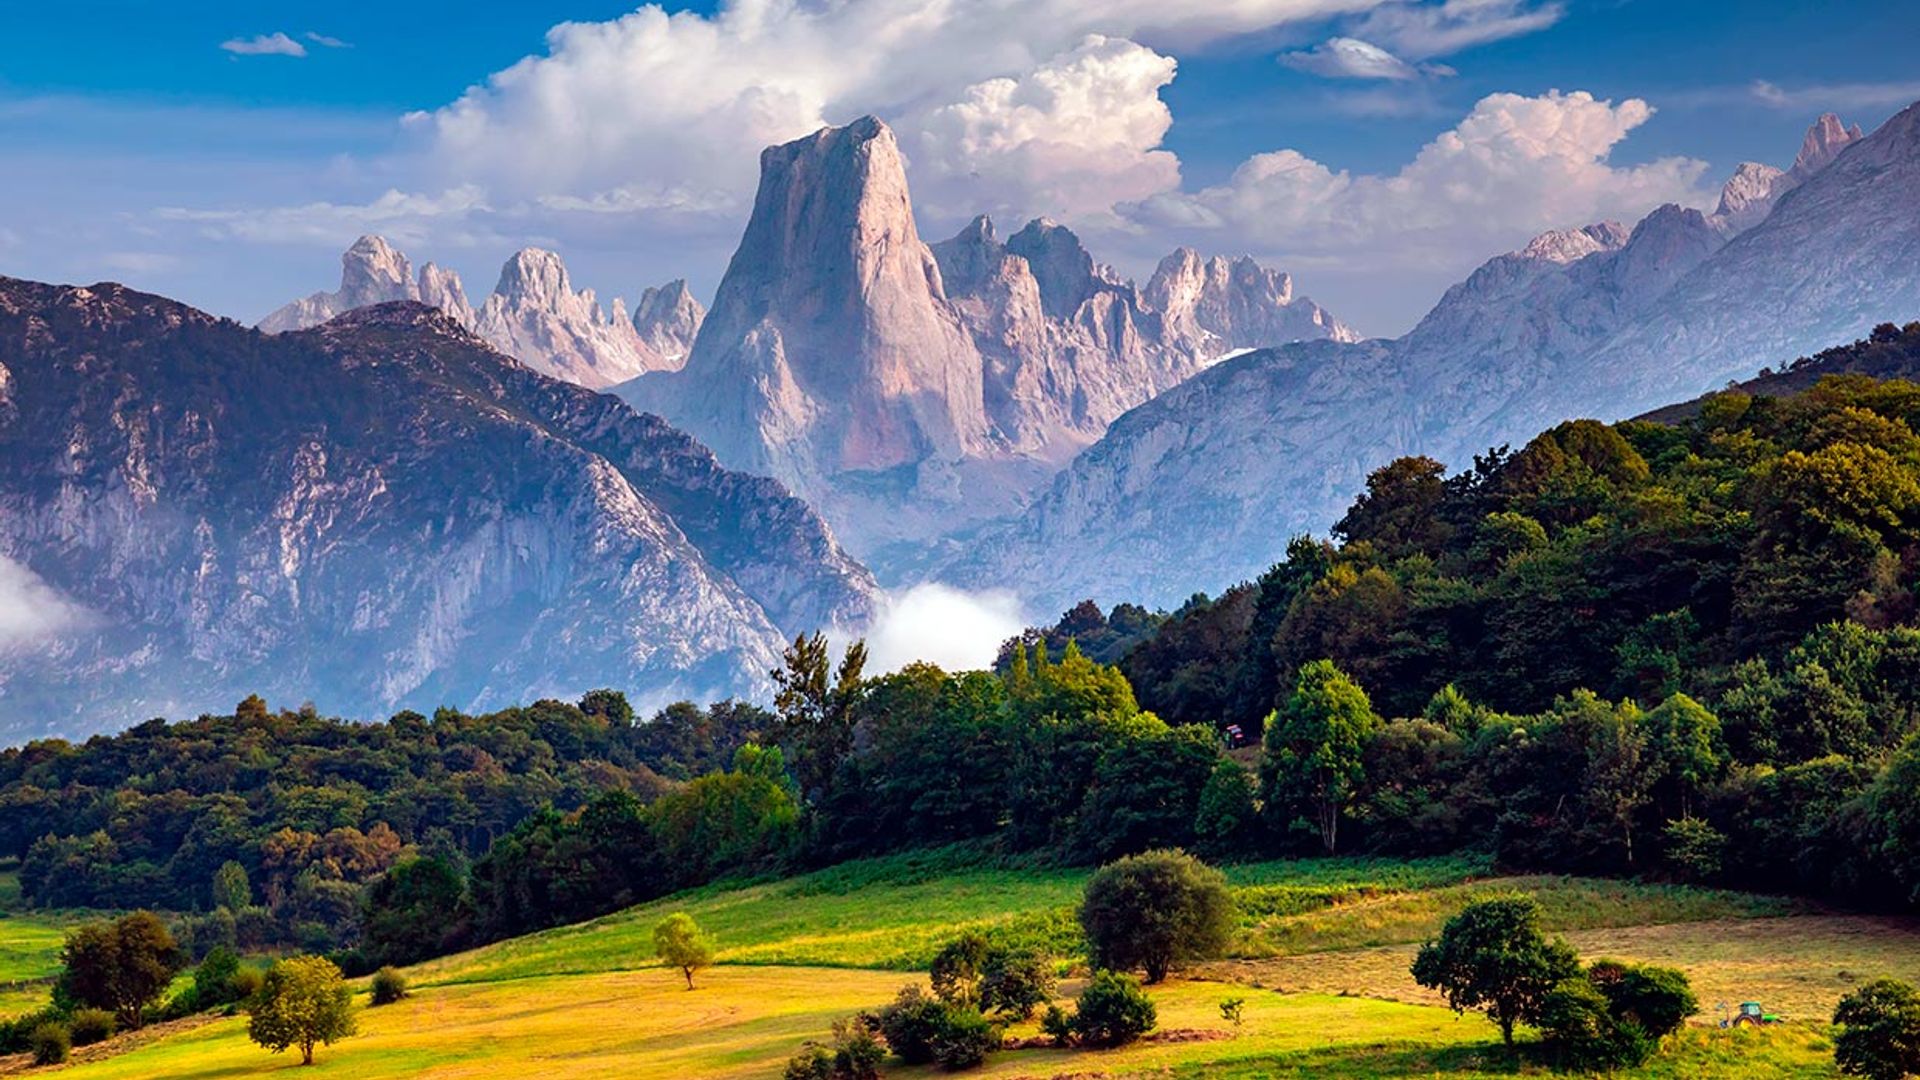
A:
909, 1024
1658, 999
51, 1043
1156, 911
212, 981
857, 1052
89, 1026
388, 986
813, 1062
958, 969
1017, 982
964, 1038
16, 1034
246, 984
1879, 1031
1113, 1010
1582, 1031
1057, 1024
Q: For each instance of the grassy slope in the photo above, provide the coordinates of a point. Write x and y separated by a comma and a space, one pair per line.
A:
29, 949
583, 1002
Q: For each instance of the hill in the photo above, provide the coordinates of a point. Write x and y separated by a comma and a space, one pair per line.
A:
381, 512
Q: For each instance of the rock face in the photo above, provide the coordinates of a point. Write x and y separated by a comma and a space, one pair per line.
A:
1203, 485
533, 315
378, 513
371, 272
911, 389
667, 319
1237, 303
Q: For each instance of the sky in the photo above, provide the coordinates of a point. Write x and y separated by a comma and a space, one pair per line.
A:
225, 153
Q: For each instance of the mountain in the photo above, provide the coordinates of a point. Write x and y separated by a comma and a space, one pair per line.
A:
372, 272
910, 389
380, 512
667, 319
533, 314
1204, 484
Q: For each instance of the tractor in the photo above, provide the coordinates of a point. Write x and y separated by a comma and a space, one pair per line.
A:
1751, 1015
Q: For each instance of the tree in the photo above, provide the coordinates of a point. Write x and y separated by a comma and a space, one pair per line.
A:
303, 1002
680, 943
1224, 821
1112, 1011
1314, 748
1156, 911
1879, 1031
1492, 956
123, 965
816, 704
231, 889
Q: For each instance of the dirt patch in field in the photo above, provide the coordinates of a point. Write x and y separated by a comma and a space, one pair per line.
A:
1797, 965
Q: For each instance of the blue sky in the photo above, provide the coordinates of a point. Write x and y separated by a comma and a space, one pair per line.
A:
140, 149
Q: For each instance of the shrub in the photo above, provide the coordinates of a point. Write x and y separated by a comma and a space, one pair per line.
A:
1656, 998
1156, 911
213, 981
958, 969
857, 1052
813, 1062
246, 984
1057, 1024
1879, 1031
388, 986
51, 1043
89, 1026
1016, 982
1582, 1031
910, 1023
1493, 956
1694, 849
16, 1034
964, 1038
1113, 1010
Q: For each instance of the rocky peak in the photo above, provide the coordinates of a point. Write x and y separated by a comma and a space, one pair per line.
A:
668, 318
441, 288
1060, 263
970, 258
371, 271
1219, 304
1823, 142
1572, 245
535, 315
1747, 195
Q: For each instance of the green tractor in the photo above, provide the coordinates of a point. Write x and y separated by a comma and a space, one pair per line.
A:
1751, 1015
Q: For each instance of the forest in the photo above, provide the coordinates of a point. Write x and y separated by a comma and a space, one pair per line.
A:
1682, 651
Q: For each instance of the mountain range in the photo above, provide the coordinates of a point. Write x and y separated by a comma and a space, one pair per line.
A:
381, 512
1204, 484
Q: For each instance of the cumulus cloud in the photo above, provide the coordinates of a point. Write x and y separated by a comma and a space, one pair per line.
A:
1072, 137
31, 611
938, 624
1351, 58
1513, 167
1420, 30
274, 44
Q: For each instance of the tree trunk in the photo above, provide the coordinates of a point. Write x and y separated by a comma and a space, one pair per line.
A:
688, 972
1506, 1030
306, 1052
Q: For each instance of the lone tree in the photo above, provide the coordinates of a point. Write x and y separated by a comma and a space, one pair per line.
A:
1879, 1036
1156, 911
302, 1002
1493, 957
123, 965
1314, 747
680, 943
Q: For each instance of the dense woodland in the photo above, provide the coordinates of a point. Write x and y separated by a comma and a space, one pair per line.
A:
1681, 650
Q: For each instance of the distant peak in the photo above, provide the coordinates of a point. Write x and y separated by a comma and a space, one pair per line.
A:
533, 273
1823, 142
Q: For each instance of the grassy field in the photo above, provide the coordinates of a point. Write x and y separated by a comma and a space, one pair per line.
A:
1321, 960
29, 949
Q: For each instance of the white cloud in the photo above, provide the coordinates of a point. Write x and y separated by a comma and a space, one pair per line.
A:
1420, 30
327, 42
274, 44
31, 611
139, 262
1804, 99
959, 631
1073, 137
1513, 167
400, 216
1350, 58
